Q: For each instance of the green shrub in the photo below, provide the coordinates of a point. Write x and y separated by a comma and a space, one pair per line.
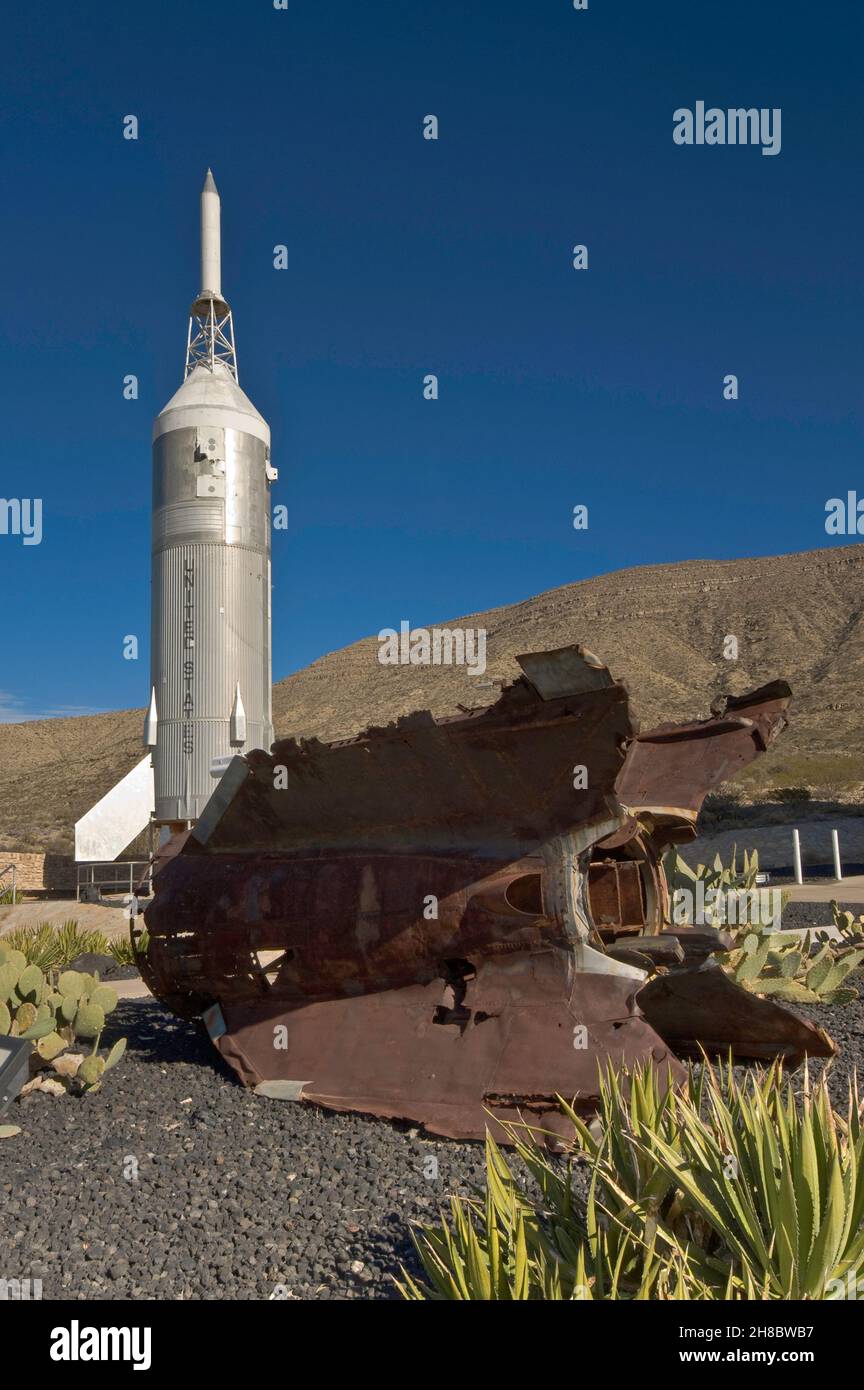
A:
74, 941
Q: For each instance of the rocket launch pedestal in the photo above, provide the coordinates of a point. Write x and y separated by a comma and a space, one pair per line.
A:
211, 664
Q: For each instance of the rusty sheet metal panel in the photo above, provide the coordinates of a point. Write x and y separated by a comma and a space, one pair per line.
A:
331, 856
704, 1009
399, 923
334, 852
670, 770
497, 782
640, 902
498, 1044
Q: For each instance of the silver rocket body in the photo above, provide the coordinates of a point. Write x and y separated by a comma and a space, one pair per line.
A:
211, 662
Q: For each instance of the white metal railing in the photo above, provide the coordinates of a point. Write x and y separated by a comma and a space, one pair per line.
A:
117, 876
13, 870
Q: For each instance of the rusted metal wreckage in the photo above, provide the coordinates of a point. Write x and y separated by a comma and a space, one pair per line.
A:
437, 920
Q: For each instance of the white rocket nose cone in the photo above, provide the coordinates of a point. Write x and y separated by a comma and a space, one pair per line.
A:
211, 239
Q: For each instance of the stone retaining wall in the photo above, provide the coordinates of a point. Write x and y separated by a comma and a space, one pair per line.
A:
38, 873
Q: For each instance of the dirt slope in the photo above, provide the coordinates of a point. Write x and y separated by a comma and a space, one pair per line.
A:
659, 627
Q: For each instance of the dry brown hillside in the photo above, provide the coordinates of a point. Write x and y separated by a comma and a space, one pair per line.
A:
659, 627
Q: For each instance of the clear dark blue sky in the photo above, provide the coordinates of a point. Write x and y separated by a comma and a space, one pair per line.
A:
408, 256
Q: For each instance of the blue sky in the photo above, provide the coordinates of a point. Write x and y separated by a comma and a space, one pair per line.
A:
406, 256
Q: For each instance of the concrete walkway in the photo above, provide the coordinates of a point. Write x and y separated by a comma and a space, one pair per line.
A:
845, 890
130, 989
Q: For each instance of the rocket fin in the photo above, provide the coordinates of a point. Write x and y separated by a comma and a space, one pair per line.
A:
115, 820
237, 734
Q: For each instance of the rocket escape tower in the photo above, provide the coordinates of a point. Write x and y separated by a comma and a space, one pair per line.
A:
211, 324
211, 667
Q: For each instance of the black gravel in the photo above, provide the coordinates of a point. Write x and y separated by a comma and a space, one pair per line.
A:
173, 1182
815, 914
235, 1196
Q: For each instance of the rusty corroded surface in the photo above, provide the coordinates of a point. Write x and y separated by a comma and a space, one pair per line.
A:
410, 922
453, 1055
667, 773
703, 1010
670, 770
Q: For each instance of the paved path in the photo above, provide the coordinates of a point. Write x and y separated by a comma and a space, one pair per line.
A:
847, 890
130, 989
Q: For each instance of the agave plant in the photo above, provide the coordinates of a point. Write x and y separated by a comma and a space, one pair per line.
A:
38, 945
630, 1240
53, 948
719, 1191
122, 950
510, 1246
75, 941
781, 1183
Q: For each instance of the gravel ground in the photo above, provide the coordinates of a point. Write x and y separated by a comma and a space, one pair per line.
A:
796, 915
235, 1196
173, 1182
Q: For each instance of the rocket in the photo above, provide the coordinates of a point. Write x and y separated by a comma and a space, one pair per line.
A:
210, 647
210, 694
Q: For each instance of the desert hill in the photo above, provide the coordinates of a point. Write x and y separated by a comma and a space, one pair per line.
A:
661, 628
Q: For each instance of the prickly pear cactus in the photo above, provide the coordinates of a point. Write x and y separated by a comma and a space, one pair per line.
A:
9, 973
89, 1020
811, 969
31, 983
52, 1011
26, 1016
116, 1053
104, 998
50, 1046
91, 1069
71, 984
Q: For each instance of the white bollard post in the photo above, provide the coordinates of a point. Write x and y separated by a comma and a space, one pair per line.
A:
796, 851
835, 845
